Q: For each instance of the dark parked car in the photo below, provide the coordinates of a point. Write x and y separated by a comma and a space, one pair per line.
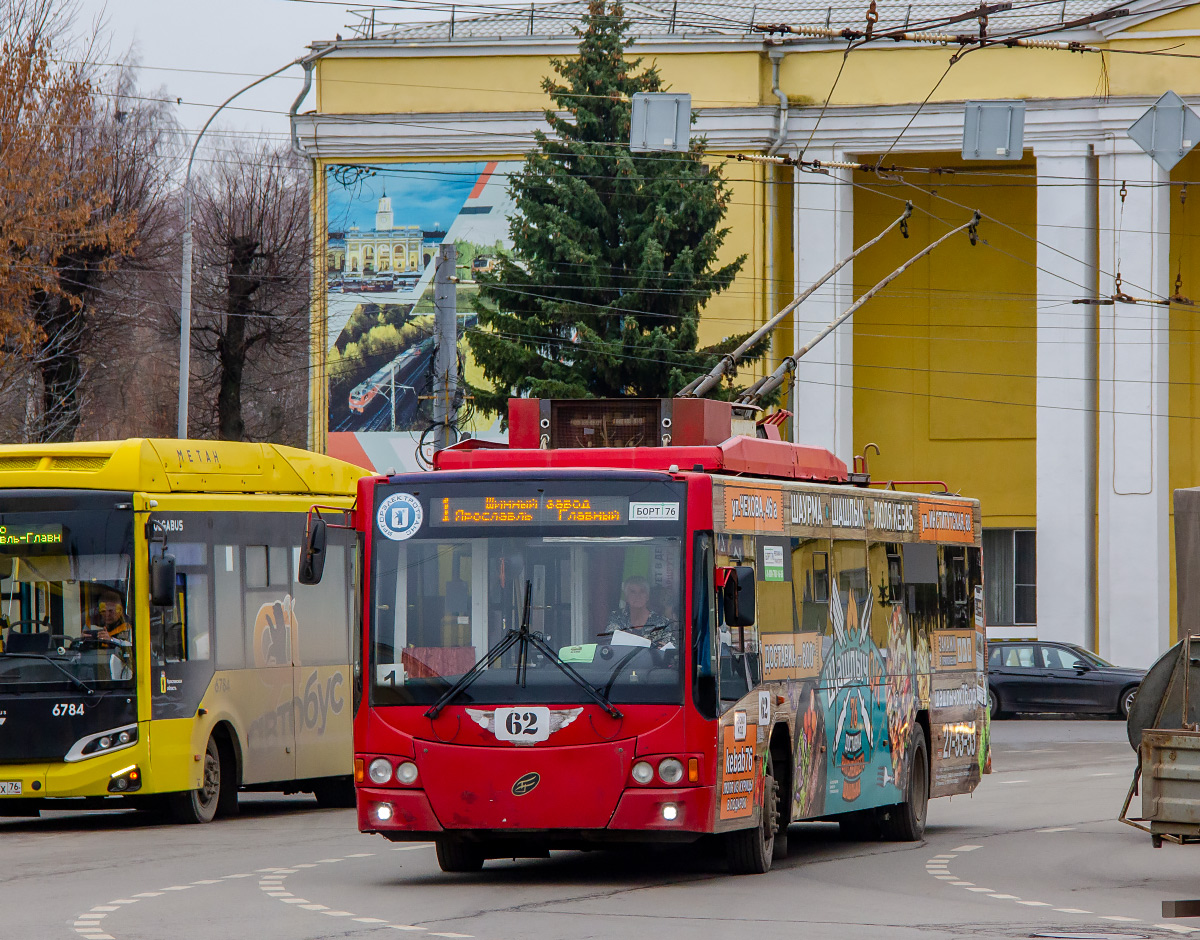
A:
1027, 676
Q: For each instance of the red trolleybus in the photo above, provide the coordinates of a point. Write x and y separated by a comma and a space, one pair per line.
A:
634, 624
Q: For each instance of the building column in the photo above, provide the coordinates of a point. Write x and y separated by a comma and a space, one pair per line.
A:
823, 395
1066, 389
1133, 572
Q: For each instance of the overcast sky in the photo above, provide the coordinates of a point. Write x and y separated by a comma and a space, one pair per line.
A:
217, 37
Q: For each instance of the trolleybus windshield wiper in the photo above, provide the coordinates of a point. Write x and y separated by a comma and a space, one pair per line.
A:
522, 638
66, 672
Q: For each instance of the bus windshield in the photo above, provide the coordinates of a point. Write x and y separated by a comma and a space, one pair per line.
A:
65, 611
605, 593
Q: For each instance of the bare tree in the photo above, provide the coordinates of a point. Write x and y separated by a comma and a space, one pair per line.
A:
251, 296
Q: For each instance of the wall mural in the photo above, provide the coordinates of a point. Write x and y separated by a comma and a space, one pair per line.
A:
384, 227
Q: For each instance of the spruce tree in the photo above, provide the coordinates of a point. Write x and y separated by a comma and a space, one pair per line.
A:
615, 253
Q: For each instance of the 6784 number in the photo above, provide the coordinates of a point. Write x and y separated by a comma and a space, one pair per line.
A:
67, 709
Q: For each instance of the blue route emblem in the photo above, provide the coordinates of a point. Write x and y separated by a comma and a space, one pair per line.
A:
400, 516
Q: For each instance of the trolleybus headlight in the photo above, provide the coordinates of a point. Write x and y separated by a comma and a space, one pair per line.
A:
123, 737
670, 770
105, 742
380, 770
406, 773
670, 812
383, 811
643, 772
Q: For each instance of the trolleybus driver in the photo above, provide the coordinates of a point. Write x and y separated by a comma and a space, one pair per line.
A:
115, 630
636, 616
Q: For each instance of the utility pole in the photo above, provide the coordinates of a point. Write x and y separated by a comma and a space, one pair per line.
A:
445, 356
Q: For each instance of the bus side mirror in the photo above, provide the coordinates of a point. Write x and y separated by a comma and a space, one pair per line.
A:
312, 565
739, 596
162, 580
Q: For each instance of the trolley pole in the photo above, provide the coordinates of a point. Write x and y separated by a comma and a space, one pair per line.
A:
445, 357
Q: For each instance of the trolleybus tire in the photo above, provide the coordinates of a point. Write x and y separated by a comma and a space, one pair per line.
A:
459, 855
751, 851
200, 805
905, 822
335, 792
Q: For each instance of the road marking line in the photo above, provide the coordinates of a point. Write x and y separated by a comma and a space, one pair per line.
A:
1005, 897
124, 901
1034, 903
1128, 920
945, 877
450, 935
207, 881
105, 907
968, 848
285, 871
295, 900
96, 936
1176, 928
306, 865
370, 920
1012, 781
338, 913
240, 875
409, 848
314, 907
280, 894
89, 924
320, 861
1071, 910
945, 857
988, 890
963, 884
405, 927
268, 869
1057, 829
1102, 775
149, 894
89, 916
361, 855
177, 888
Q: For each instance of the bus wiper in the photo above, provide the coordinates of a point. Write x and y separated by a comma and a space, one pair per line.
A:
522, 637
66, 672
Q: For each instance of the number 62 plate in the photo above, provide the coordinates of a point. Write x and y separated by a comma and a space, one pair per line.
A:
524, 724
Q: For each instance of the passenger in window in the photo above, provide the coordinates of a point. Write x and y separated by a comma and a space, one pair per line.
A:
636, 616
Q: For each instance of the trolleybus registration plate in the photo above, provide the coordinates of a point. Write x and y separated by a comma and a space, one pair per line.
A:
10, 787
524, 724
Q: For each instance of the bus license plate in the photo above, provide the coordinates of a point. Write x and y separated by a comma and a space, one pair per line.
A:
10, 787
523, 724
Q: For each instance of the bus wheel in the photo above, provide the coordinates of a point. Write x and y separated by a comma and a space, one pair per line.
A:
200, 806
750, 851
459, 855
905, 822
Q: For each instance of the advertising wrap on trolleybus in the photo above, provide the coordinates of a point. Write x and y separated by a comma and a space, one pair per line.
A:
566, 648
156, 646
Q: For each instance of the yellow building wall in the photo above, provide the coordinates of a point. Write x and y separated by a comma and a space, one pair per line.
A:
945, 356
1183, 398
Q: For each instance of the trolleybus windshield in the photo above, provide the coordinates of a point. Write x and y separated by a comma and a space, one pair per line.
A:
66, 619
603, 562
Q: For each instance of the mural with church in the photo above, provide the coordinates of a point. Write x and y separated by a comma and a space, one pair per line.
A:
384, 227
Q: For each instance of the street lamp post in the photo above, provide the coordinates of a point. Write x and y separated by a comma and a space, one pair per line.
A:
185, 300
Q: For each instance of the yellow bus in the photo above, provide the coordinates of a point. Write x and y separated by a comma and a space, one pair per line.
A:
156, 648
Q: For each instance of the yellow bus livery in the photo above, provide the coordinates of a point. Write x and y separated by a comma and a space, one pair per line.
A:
156, 648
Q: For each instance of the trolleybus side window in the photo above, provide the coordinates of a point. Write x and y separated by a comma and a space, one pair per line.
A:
227, 584
852, 580
704, 621
183, 632
810, 583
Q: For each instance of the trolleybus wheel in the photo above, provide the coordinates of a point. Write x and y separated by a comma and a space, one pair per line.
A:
905, 822
458, 855
200, 806
750, 851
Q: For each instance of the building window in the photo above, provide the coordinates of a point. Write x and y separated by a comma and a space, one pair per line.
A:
1010, 576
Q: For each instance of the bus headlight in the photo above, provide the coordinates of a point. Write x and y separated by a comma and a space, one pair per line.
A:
670, 770
406, 773
383, 811
642, 772
380, 770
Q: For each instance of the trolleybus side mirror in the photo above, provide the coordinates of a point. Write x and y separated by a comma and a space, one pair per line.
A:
739, 596
162, 580
312, 565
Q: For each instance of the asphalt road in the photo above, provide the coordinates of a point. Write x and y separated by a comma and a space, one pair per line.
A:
1036, 852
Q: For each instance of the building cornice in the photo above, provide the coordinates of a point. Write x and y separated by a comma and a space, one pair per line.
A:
1049, 123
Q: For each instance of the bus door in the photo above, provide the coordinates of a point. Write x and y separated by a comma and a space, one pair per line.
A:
321, 676
272, 641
